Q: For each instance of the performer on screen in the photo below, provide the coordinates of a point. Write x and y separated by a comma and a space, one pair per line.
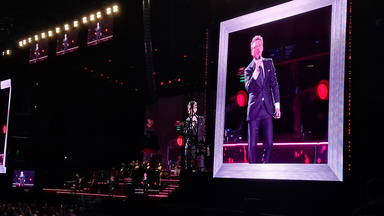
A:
65, 42
264, 100
37, 51
22, 179
194, 132
98, 32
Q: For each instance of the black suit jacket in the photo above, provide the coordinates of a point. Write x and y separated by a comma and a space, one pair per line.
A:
198, 131
268, 90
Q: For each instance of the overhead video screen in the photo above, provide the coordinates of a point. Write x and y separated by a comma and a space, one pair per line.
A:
5, 99
23, 178
100, 31
67, 42
280, 93
38, 51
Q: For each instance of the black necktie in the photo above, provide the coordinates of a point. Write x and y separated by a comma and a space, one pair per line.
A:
261, 74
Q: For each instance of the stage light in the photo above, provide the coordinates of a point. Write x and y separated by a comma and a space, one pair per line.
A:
92, 17
241, 98
115, 9
20, 43
66, 27
29, 40
180, 140
75, 23
98, 15
36, 37
43, 35
108, 11
322, 90
8, 52
85, 20
57, 30
4, 129
50, 33
3, 53
24, 42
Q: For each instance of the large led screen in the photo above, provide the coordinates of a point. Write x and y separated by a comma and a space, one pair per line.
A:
5, 99
280, 97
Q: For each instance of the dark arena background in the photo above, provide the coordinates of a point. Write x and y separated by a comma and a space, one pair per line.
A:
94, 115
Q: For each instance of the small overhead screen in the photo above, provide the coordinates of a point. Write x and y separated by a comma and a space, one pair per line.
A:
23, 178
67, 42
100, 30
38, 51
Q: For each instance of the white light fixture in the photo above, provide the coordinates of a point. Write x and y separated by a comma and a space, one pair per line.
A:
50, 33
98, 15
29, 40
75, 23
36, 38
43, 35
20, 43
108, 11
85, 20
57, 30
66, 27
92, 17
24, 42
115, 9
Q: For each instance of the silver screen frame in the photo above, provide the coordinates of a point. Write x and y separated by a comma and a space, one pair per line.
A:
333, 170
3, 85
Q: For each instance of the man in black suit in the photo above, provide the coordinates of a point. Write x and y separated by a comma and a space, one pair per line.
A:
194, 132
65, 42
264, 100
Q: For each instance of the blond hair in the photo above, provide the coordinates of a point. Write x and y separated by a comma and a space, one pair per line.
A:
254, 39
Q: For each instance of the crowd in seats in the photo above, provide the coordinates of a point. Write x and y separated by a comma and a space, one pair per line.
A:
36, 208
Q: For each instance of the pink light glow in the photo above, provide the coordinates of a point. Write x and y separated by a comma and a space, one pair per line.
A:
306, 159
90, 194
279, 144
180, 141
4, 129
322, 89
241, 98
323, 148
157, 195
245, 155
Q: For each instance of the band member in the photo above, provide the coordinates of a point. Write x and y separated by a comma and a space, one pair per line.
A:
264, 100
78, 182
145, 182
112, 184
194, 132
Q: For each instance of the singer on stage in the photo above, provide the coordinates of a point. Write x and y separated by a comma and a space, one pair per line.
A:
194, 133
264, 100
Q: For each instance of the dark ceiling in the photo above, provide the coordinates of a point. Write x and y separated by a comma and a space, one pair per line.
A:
18, 19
